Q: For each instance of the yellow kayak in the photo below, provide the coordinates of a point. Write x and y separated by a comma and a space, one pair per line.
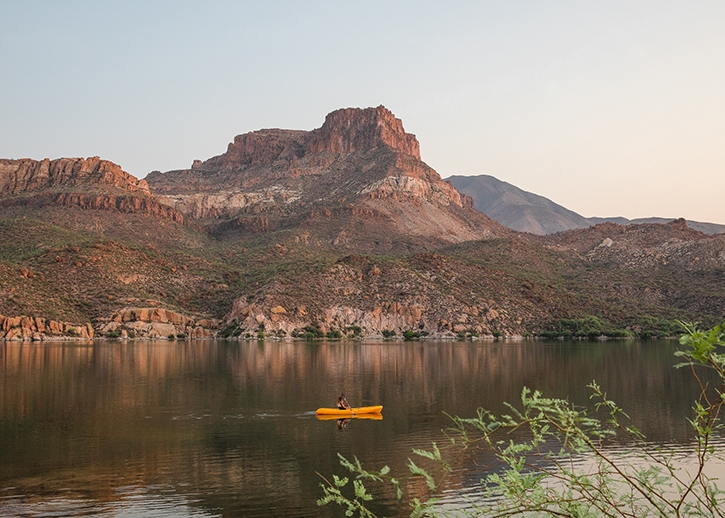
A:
349, 413
373, 417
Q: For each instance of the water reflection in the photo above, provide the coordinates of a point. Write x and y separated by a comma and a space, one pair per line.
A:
212, 428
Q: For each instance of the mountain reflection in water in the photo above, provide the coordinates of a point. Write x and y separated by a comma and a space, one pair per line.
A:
228, 428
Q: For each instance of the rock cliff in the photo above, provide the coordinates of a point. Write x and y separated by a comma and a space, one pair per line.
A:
133, 322
354, 129
86, 183
38, 329
24, 175
357, 182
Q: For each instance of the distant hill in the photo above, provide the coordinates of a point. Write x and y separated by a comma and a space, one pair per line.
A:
516, 208
705, 228
527, 212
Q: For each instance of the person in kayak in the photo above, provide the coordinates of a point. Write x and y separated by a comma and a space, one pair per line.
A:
342, 403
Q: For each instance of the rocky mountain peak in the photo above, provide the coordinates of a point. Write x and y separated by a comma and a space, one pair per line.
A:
344, 131
361, 129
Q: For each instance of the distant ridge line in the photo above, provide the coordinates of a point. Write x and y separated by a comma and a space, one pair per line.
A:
528, 212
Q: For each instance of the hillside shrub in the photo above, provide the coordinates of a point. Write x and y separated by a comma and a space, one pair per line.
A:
590, 327
388, 333
355, 330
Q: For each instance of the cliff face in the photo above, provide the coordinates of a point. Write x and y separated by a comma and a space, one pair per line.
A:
345, 131
357, 182
355, 129
258, 147
25, 175
89, 183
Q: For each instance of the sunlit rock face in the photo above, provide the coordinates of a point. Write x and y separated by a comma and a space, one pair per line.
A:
24, 175
85, 183
356, 182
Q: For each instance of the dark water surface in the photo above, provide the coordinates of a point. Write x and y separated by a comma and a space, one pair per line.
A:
228, 429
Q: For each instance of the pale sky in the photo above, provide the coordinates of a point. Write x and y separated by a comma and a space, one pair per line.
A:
607, 108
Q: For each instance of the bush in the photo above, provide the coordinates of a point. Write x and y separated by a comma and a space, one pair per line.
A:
561, 434
312, 331
355, 330
590, 327
334, 334
387, 333
411, 335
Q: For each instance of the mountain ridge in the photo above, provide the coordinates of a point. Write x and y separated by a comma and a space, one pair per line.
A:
528, 212
315, 233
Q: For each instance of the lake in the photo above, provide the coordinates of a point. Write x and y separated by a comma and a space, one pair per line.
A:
214, 428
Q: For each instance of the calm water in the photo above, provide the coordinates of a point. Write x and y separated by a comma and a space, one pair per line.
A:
228, 429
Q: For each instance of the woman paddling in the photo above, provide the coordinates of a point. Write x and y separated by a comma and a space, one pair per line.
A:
342, 403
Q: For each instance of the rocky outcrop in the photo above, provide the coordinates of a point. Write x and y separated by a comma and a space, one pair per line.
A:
387, 319
157, 323
25, 175
89, 183
347, 130
355, 129
39, 329
124, 203
359, 296
257, 147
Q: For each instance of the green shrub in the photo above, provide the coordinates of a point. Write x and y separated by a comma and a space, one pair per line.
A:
411, 335
334, 333
387, 333
355, 330
312, 331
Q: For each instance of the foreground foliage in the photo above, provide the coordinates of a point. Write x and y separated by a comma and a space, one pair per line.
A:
551, 458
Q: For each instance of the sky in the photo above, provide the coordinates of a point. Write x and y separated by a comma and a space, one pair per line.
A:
609, 108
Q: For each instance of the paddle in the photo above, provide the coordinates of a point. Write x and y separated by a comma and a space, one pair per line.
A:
347, 403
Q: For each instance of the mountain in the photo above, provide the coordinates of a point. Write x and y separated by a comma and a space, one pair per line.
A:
357, 183
516, 208
527, 212
341, 230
